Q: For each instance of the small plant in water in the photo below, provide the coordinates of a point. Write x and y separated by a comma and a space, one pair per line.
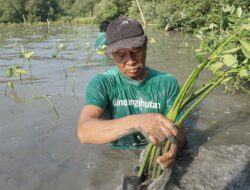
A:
11, 72
27, 54
48, 99
90, 53
73, 70
57, 51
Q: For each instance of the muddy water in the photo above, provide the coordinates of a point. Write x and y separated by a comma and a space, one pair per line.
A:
39, 151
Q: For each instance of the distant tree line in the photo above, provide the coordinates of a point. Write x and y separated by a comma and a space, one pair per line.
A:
173, 14
16, 11
28, 10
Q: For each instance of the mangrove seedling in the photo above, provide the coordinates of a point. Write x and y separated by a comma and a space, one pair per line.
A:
73, 70
57, 51
48, 99
10, 73
90, 53
27, 55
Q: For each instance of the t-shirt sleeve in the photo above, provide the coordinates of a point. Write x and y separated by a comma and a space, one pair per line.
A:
96, 92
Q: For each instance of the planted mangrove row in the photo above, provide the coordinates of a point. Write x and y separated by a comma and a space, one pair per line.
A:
18, 73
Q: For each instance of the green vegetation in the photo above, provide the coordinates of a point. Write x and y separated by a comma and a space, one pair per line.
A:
181, 15
57, 51
235, 55
228, 57
28, 10
186, 15
16, 72
17, 11
111, 9
13, 72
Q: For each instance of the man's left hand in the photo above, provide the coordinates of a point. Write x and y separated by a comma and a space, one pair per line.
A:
167, 159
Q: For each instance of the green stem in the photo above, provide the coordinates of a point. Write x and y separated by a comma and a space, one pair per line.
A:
200, 99
151, 158
145, 160
155, 165
220, 48
196, 94
159, 169
191, 81
167, 146
52, 106
185, 89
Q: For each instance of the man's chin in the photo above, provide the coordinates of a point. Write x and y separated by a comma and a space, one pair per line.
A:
136, 75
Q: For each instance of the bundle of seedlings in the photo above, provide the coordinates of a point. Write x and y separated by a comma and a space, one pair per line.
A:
228, 57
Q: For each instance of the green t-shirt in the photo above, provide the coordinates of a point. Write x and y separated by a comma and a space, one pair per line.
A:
120, 96
101, 40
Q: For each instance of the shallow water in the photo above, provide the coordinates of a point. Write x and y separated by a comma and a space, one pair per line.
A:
39, 151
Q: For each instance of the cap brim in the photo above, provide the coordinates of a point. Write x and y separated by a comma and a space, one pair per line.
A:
126, 43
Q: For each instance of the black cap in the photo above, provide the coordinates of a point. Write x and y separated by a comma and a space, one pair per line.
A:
124, 32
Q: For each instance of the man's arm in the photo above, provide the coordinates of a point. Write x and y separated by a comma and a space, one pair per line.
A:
92, 129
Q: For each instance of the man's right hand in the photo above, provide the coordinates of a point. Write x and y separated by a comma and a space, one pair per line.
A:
155, 127
92, 129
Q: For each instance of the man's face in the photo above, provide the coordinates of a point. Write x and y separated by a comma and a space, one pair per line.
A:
131, 62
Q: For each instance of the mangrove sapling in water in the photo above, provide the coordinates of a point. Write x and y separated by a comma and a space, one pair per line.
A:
57, 50
229, 66
90, 53
17, 71
11, 72
73, 70
27, 55
48, 99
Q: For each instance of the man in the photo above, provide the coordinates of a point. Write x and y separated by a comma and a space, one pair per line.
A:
127, 105
101, 41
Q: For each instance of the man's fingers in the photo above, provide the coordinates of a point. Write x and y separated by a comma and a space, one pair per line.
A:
166, 132
156, 139
166, 164
174, 127
170, 126
173, 149
157, 134
152, 139
173, 140
167, 159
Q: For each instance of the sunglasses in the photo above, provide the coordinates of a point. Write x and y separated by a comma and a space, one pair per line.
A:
122, 55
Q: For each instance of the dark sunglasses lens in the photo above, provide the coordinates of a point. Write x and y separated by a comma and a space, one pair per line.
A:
119, 56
